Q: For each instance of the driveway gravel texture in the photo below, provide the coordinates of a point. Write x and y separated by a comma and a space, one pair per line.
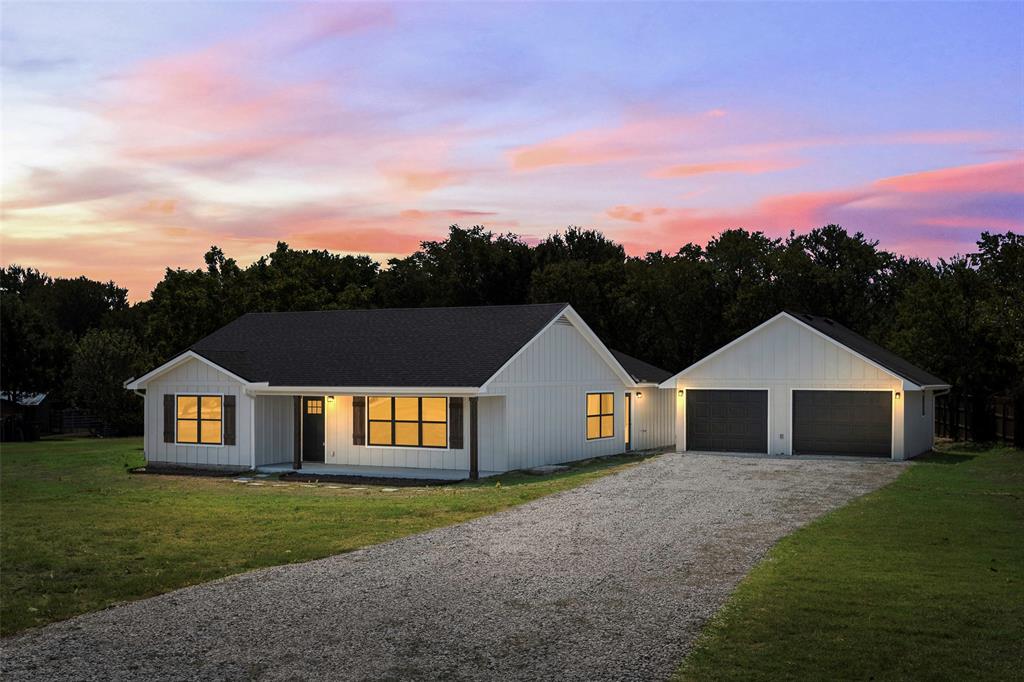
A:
609, 581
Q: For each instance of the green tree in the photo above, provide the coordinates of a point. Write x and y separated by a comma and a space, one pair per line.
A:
830, 272
103, 360
32, 349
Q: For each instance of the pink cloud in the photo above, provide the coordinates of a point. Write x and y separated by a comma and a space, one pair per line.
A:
632, 214
423, 180
636, 138
43, 188
751, 167
220, 105
983, 178
893, 209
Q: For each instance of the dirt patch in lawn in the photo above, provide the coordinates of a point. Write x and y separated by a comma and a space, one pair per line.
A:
184, 471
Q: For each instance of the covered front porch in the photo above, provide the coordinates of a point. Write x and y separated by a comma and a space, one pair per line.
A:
374, 436
323, 469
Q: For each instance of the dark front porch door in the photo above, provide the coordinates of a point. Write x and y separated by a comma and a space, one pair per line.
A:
313, 429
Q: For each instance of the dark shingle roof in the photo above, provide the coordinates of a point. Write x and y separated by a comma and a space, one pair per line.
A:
383, 347
869, 349
642, 372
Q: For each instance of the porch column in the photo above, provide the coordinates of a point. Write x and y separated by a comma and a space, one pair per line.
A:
474, 440
297, 428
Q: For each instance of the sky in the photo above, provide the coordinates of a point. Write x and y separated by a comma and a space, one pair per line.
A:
136, 135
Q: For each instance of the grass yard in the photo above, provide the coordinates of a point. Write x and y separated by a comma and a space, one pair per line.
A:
78, 533
923, 579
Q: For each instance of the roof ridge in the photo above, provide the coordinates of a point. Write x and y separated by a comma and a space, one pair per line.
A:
431, 307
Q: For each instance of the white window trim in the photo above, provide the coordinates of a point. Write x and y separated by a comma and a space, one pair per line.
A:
200, 445
587, 416
423, 448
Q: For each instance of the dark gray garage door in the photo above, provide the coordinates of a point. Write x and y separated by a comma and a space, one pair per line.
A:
842, 423
727, 421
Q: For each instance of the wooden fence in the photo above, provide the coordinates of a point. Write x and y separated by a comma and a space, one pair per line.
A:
979, 419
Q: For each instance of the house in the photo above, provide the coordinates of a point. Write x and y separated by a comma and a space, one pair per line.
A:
429, 393
801, 384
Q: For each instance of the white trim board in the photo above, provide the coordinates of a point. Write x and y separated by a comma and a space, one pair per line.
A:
135, 384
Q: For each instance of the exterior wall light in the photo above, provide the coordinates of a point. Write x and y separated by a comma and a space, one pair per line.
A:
897, 395
679, 393
330, 398
639, 394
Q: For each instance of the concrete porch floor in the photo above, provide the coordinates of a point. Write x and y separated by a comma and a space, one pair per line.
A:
321, 469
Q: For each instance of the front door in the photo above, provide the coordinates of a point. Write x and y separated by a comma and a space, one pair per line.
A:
313, 429
629, 420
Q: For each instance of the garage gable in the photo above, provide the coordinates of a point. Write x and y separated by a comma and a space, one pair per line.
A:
785, 349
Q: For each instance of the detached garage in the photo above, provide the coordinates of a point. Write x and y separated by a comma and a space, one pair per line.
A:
805, 385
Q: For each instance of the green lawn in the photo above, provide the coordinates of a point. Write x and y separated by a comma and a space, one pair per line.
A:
77, 532
923, 579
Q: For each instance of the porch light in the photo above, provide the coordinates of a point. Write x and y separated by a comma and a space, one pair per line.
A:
330, 398
679, 393
639, 395
897, 395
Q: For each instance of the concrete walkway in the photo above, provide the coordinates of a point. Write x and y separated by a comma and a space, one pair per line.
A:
611, 581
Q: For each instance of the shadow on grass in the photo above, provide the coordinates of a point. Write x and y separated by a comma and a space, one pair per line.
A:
939, 457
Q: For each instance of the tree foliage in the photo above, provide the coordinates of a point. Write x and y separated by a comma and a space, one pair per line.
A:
962, 318
102, 360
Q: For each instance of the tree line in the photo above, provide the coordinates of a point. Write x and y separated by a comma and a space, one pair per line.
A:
961, 318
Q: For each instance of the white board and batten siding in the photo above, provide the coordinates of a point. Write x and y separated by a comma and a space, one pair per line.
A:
197, 378
653, 418
338, 447
544, 392
275, 437
781, 357
918, 425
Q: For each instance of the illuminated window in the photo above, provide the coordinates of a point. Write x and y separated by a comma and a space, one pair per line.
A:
408, 421
199, 419
314, 406
600, 415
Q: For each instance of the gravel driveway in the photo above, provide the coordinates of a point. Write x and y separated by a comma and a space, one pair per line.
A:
612, 581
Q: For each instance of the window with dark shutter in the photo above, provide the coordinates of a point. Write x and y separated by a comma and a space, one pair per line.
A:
358, 420
169, 418
229, 420
455, 423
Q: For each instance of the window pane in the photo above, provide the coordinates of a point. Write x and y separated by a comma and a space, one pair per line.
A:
188, 407
407, 409
607, 426
188, 431
211, 407
380, 433
210, 431
314, 407
435, 435
380, 408
407, 433
607, 403
593, 427
593, 403
435, 409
